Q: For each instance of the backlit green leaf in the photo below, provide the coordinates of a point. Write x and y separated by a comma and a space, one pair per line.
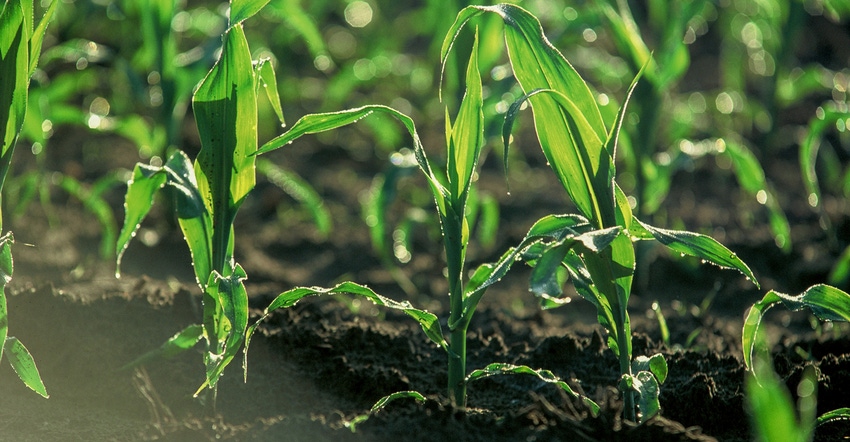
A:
315, 123
383, 402
14, 70
695, 244
180, 342
268, 81
225, 108
240, 10
229, 292
141, 188
301, 191
826, 302
826, 119
24, 365
544, 375
467, 136
840, 414
6, 269
569, 124
428, 321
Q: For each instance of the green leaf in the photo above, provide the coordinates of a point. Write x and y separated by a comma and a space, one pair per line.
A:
268, 80
14, 69
826, 302
301, 191
751, 176
428, 321
809, 148
6, 269
191, 211
383, 402
839, 414
180, 342
558, 230
146, 181
655, 364
694, 244
770, 405
467, 136
544, 277
38, 36
585, 170
225, 108
230, 294
98, 206
647, 388
544, 375
192, 216
240, 10
316, 123
568, 122
24, 365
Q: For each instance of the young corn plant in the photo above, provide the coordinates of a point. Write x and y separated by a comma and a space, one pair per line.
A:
208, 193
450, 190
581, 150
20, 47
769, 402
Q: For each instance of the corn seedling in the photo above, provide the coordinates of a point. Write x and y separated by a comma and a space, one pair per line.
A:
208, 193
20, 47
450, 190
581, 150
833, 115
769, 404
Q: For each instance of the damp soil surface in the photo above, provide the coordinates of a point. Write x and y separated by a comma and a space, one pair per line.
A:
315, 367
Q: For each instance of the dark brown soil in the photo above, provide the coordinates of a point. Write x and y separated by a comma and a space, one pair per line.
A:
319, 364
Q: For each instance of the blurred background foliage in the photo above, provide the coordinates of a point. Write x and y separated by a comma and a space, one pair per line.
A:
727, 85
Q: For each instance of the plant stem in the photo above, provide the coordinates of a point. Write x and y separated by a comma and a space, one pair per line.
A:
629, 411
455, 248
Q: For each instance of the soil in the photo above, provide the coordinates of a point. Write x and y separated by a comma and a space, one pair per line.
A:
316, 366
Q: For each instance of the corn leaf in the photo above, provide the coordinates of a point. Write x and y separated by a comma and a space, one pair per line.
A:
383, 402
751, 176
544, 375
180, 342
230, 295
225, 107
569, 124
189, 205
428, 321
98, 206
826, 302
648, 391
138, 200
315, 123
24, 365
6, 269
655, 364
694, 244
37, 36
301, 191
268, 80
839, 414
548, 233
467, 136
770, 405
240, 10
809, 152
14, 69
